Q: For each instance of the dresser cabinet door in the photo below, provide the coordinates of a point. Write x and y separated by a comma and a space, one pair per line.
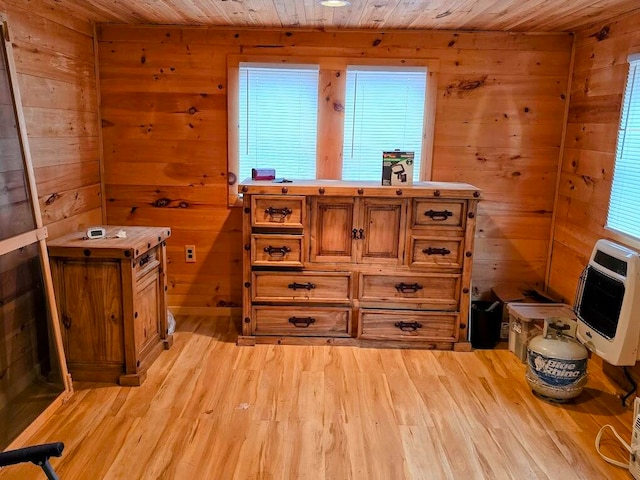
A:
333, 230
91, 312
381, 231
367, 230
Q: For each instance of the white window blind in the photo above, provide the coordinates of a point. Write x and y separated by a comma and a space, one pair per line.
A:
384, 111
278, 116
625, 191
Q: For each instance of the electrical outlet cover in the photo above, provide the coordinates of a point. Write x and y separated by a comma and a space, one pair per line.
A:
190, 253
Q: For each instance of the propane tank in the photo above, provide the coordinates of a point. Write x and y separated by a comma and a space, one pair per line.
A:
556, 363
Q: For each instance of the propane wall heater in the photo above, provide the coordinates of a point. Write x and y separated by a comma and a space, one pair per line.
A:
608, 304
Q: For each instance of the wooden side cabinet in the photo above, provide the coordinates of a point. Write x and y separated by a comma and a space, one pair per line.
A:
111, 295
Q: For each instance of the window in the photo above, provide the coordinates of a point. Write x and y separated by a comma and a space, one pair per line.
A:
278, 111
327, 117
384, 111
625, 190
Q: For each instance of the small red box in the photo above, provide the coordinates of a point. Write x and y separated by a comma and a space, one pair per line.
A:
263, 173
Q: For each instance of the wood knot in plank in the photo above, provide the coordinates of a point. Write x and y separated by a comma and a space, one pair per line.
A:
377, 42
443, 14
338, 107
463, 86
472, 84
161, 202
52, 198
602, 33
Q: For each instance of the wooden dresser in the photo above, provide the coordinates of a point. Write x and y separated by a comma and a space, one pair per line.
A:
332, 262
111, 296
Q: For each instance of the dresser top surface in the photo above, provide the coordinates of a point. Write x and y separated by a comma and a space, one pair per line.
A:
359, 188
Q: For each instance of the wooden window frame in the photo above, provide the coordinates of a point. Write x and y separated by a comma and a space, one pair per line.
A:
617, 235
332, 82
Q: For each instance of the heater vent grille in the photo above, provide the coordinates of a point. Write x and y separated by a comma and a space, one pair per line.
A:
600, 302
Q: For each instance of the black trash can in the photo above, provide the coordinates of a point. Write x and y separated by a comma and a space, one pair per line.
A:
486, 318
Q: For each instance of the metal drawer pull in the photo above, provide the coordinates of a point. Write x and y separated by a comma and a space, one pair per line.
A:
438, 215
302, 286
144, 260
436, 251
302, 322
278, 213
408, 287
277, 251
408, 326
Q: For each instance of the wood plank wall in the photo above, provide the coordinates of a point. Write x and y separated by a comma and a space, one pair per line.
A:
589, 155
54, 55
501, 102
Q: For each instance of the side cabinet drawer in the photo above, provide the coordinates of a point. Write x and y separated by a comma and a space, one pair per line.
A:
394, 324
435, 252
276, 250
277, 211
435, 291
326, 287
145, 263
302, 321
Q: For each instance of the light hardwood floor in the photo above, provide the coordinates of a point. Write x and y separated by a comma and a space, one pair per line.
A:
212, 410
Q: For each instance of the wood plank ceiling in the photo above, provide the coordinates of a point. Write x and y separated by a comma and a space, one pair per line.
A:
496, 15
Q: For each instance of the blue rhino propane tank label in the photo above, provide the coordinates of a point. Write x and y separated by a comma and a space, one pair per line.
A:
556, 372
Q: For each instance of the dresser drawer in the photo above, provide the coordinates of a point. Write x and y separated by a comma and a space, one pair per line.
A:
428, 213
276, 250
431, 290
326, 287
436, 252
301, 321
393, 324
277, 211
